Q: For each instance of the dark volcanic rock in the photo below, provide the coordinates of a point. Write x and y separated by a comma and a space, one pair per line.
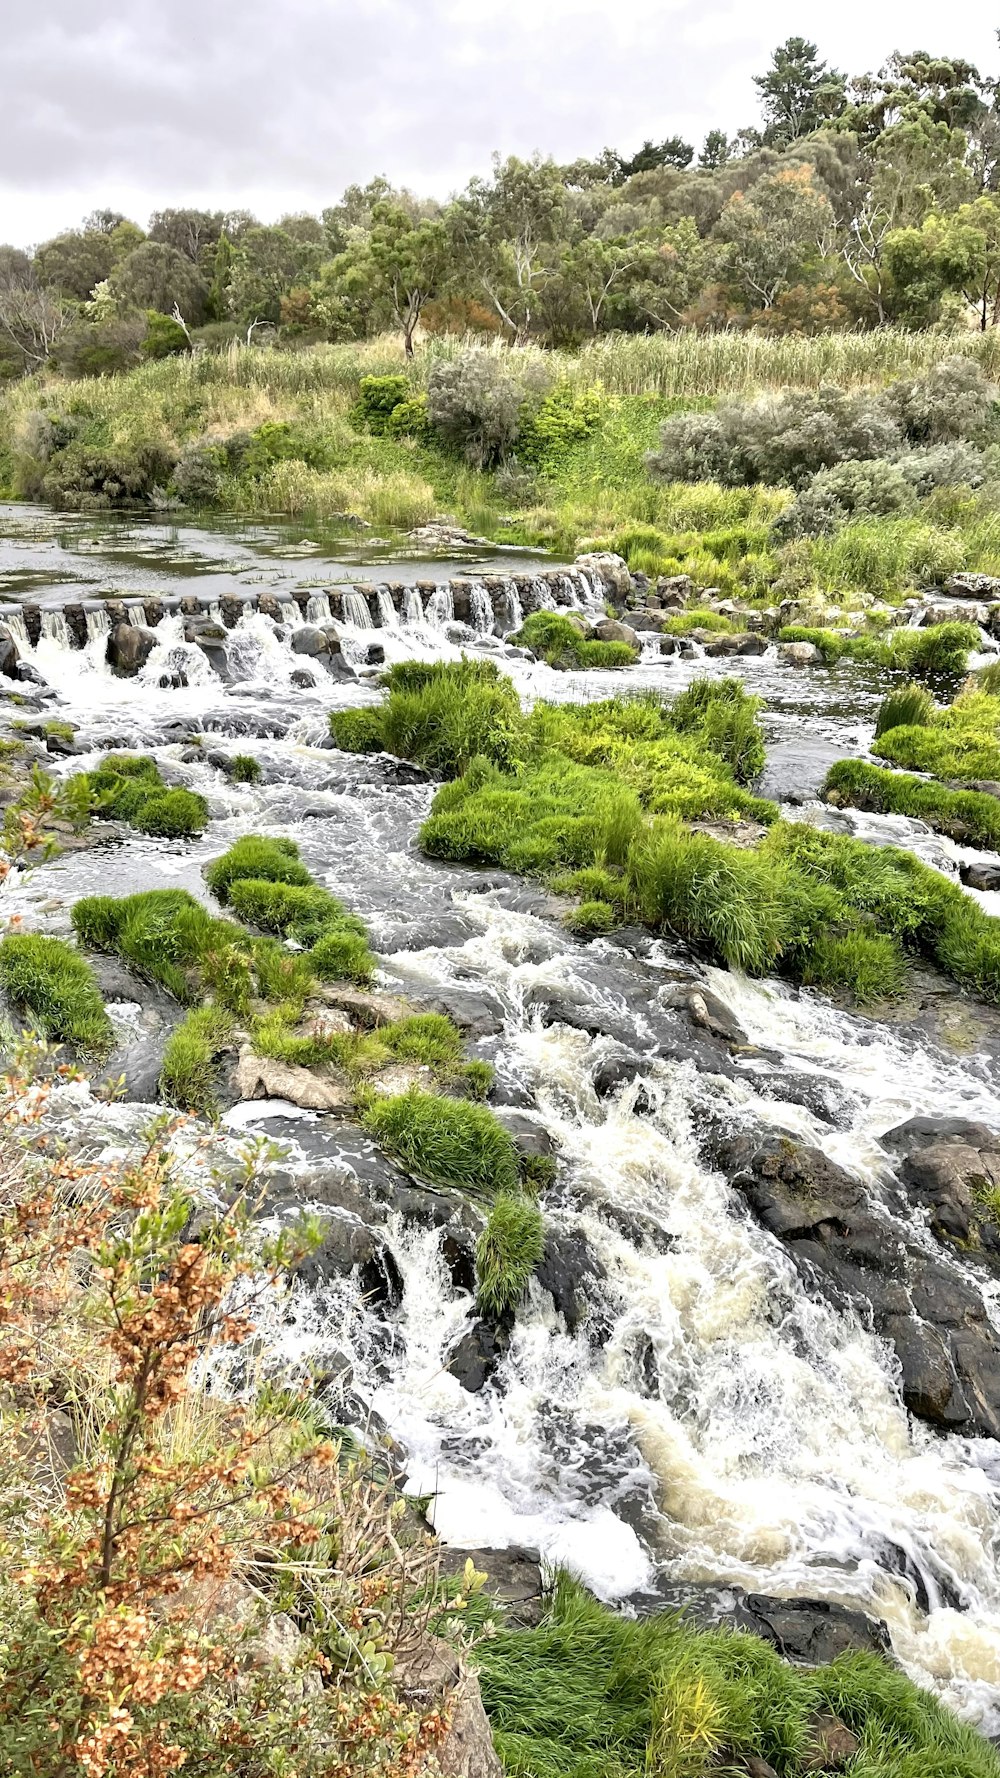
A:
932, 1315
951, 1168
568, 1270
514, 1581
981, 875
477, 1355
129, 648
809, 1630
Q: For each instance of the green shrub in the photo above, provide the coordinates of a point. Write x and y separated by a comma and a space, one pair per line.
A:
273, 861
445, 1141
243, 769
474, 403
962, 813
50, 981
558, 641
357, 731
775, 438
378, 397
187, 1076
507, 1252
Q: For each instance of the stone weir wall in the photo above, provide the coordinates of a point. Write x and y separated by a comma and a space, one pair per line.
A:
489, 603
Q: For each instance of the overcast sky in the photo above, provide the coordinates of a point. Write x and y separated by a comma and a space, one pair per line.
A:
277, 106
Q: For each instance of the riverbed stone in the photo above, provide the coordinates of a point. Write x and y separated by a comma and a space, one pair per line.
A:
368, 1007
800, 654
513, 1580
478, 1353
951, 1169
972, 586
309, 641
313, 1089
609, 630
568, 1270
129, 648
982, 874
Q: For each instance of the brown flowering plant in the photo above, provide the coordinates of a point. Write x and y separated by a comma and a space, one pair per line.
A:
154, 1531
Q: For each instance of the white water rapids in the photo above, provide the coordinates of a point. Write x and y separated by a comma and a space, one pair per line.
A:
712, 1422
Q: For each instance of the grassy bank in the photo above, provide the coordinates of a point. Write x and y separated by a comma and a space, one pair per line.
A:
261, 433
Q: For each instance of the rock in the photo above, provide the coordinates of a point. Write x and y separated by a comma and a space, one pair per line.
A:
514, 1581
611, 570
675, 590
972, 586
309, 640
434, 1675
809, 1630
736, 644
800, 654
313, 1089
645, 622
476, 1014
303, 678
980, 875
9, 656
129, 648
712, 1014
365, 1006
949, 1167
478, 1353
831, 1745
609, 630
568, 1270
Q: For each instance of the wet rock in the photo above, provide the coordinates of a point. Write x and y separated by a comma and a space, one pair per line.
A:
514, 1581
476, 1015
310, 641
983, 874
478, 1353
972, 586
366, 1006
9, 656
809, 1630
129, 648
312, 1089
531, 1138
568, 1270
647, 622
951, 1168
303, 678
800, 654
611, 569
708, 1011
742, 644
609, 630
846, 1245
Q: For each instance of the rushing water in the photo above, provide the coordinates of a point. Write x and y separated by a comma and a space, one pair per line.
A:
711, 1422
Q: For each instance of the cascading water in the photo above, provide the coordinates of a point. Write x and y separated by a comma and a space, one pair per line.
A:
318, 609
14, 620
480, 608
135, 614
412, 611
355, 609
98, 626
510, 617
387, 616
440, 609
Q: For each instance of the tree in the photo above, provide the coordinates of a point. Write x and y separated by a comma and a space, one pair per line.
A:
959, 253
776, 235
398, 267
674, 152
798, 93
939, 89
187, 231
267, 263
714, 151
33, 318
504, 236
74, 262
155, 276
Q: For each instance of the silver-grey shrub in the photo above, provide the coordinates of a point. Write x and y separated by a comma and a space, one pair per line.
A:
955, 400
783, 438
474, 405
855, 490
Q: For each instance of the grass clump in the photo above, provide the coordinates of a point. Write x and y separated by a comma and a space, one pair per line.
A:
591, 918
342, 954
47, 979
962, 814
129, 788
187, 1076
558, 640
243, 769
681, 623
357, 731
273, 861
507, 1252
593, 1694
960, 742
910, 706
288, 909
938, 653
449, 1142
443, 715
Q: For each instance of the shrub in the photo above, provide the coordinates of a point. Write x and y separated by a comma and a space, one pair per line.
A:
910, 706
507, 1252
474, 405
377, 398
81, 477
953, 400
357, 731
775, 438
564, 417
559, 642
445, 1141
871, 489
51, 982
187, 1076
273, 861
929, 467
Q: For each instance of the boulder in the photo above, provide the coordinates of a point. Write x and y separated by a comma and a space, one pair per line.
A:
972, 586
514, 1581
951, 1168
609, 630
568, 1270
433, 1676
478, 1353
647, 622
831, 1744
800, 654
983, 874
309, 641
674, 590
313, 1089
129, 648
743, 643
9, 656
809, 1631
365, 1006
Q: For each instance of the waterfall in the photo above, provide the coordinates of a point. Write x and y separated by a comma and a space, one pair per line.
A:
440, 606
14, 620
318, 609
542, 592
386, 609
135, 614
512, 615
215, 613
413, 607
98, 626
355, 610
480, 608
55, 629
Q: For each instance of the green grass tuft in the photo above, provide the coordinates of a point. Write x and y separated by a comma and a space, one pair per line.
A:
556, 639
55, 986
187, 1076
507, 1252
244, 769
273, 861
446, 1141
129, 788
962, 814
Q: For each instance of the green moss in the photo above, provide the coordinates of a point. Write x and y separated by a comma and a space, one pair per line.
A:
187, 1077
507, 1252
48, 980
446, 1141
962, 813
557, 640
